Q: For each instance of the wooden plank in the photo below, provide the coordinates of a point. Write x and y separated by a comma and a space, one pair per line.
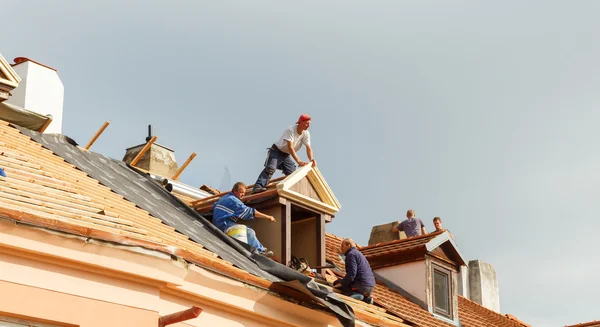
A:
143, 151
185, 164
286, 233
25, 149
98, 133
41, 206
320, 239
304, 187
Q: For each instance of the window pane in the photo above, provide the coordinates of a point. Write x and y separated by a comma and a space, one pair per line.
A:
441, 291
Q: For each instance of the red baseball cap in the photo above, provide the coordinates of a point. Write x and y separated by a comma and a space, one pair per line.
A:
303, 117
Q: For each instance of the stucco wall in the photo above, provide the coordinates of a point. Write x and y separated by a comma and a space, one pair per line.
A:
67, 280
410, 276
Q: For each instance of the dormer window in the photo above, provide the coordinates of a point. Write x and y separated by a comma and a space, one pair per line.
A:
442, 291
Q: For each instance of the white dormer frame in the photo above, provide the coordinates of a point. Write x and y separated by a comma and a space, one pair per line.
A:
328, 204
12, 78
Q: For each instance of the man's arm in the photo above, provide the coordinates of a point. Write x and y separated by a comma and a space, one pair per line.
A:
351, 270
309, 154
294, 154
395, 229
259, 214
423, 231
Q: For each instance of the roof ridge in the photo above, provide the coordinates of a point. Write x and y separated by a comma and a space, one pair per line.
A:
584, 324
432, 234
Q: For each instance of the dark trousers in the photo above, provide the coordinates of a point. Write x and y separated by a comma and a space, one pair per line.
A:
276, 159
357, 292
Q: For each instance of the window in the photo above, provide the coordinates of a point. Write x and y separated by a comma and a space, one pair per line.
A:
442, 292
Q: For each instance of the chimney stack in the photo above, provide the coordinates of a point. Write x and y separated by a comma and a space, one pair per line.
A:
483, 285
40, 91
158, 160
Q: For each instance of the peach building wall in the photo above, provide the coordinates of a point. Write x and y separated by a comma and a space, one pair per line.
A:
67, 281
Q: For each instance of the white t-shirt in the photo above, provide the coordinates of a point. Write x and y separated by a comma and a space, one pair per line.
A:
291, 134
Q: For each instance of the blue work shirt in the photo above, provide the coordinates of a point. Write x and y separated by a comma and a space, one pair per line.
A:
358, 270
2, 173
228, 210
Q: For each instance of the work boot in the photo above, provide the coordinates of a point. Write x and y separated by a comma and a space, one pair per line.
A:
266, 253
368, 300
258, 189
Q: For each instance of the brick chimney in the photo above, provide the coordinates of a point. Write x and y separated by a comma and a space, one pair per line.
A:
158, 160
40, 91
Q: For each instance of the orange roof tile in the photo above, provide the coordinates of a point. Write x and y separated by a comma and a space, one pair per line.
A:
587, 324
474, 315
387, 298
471, 314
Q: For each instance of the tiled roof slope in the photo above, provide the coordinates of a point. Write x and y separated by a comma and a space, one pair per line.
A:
587, 324
474, 315
42, 189
396, 246
389, 299
471, 314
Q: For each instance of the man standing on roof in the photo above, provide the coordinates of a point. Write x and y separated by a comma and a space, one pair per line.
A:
359, 281
230, 208
412, 226
283, 153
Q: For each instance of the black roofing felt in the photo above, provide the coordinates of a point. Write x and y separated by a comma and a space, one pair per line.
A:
148, 195
152, 197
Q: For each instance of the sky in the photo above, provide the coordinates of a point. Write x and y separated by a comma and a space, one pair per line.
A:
482, 113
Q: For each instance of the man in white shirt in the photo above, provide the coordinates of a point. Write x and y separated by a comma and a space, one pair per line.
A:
283, 153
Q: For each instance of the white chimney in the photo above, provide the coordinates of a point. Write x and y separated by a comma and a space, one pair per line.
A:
40, 91
483, 285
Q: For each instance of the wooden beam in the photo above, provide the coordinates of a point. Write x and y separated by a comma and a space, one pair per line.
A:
143, 151
321, 255
286, 233
98, 133
46, 124
185, 164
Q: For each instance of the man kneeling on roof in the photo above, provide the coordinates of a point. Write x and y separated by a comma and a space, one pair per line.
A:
359, 281
230, 208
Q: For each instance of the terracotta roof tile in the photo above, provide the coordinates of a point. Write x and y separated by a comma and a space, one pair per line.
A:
471, 314
474, 315
587, 324
386, 298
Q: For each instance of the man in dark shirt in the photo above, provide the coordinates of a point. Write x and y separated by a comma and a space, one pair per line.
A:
359, 281
412, 226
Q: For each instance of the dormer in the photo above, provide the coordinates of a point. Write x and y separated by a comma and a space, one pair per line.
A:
9, 79
426, 267
302, 203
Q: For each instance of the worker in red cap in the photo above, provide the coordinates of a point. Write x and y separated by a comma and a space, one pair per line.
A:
283, 153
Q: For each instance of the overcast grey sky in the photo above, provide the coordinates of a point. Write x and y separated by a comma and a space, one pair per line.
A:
482, 113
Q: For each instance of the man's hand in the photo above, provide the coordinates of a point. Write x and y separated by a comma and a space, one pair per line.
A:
314, 162
271, 219
302, 163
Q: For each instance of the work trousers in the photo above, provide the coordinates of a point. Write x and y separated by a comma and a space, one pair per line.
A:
357, 292
253, 240
276, 159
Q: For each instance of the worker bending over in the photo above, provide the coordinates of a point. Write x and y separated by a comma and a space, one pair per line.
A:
282, 153
359, 281
230, 208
